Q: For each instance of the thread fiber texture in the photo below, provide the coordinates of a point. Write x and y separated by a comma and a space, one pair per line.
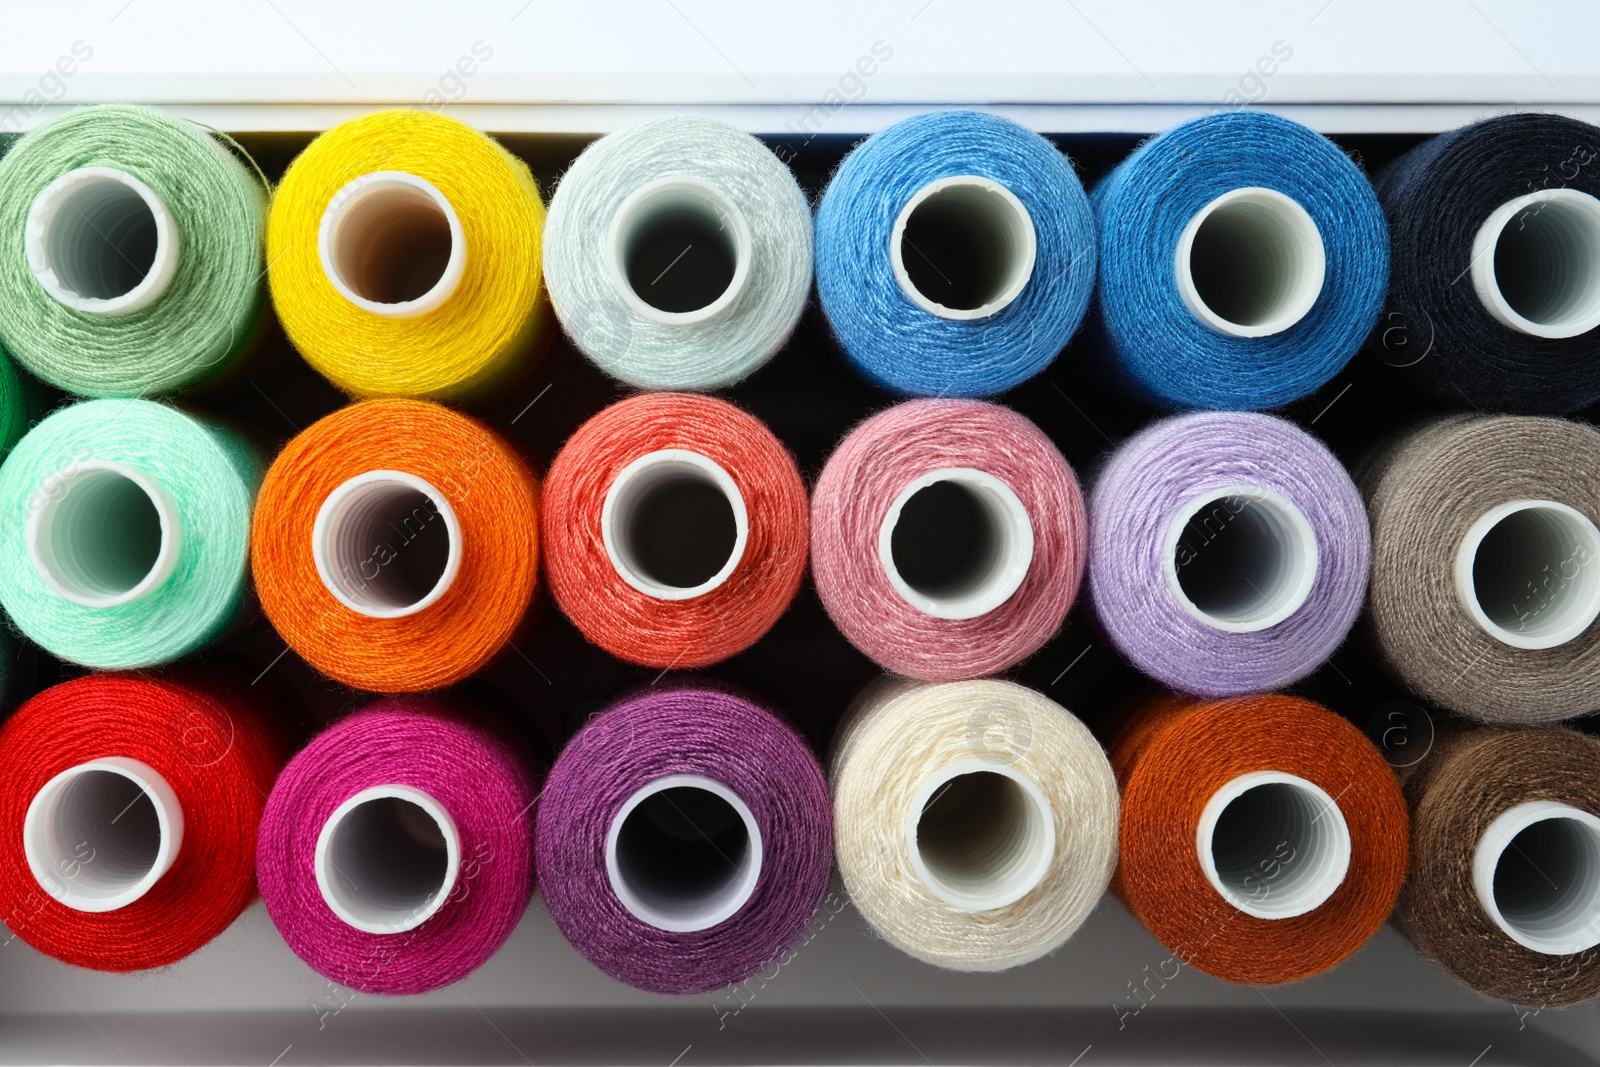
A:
210, 477
494, 497
1144, 489
17, 405
633, 347
631, 624
1436, 197
1424, 492
219, 756
1156, 346
898, 736
685, 731
209, 312
892, 340
1468, 779
873, 465
486, 334
1173, 754
479, 780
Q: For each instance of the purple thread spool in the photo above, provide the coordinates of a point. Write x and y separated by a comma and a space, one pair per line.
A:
1228, 552
396, 850
685, 840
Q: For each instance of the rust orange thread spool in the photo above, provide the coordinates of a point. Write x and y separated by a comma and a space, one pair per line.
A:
395, 545
1264, 839
675, 529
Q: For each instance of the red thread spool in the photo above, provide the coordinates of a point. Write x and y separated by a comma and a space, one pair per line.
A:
128, 816
1264, 838
675, 529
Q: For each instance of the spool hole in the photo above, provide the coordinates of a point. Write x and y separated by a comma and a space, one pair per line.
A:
680, 248
392, 243
674, 524
963, 247
684, 854
956, 543
1537, 873
1533, 578
387, 544
1244, 559
99, 835
386, 861
1277, 845
101, 238
982, 838
1544, 273
1251, 262
100, 534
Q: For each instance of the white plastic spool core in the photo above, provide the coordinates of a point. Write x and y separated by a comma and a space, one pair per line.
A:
1536, 871
392, 244
1273, 844
678, 251
386, 544
980, 835
963, 247
666, 522
1250, 263
100, 533
961, 576
1536, 263
1241, 558
101, 241
1528, 573
387, 859
97, 836
684, 853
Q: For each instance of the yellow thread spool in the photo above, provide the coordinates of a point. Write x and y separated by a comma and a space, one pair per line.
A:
404, 259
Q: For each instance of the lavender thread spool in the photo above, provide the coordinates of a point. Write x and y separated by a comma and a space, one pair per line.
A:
1228, 552
684, 840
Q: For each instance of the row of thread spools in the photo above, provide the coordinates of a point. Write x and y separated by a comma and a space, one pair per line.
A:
1293, 558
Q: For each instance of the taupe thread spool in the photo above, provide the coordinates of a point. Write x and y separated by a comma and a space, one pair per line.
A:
1504, 888
1486, 565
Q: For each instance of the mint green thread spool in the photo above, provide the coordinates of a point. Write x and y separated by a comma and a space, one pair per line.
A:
131, 252
126, 535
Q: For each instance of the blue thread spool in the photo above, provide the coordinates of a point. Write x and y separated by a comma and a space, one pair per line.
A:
955, 254
1243, 261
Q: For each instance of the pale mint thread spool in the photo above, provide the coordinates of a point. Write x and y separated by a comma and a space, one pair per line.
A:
131, 252
127, 532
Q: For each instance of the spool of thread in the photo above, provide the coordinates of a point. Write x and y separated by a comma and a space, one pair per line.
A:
131, 533
129, 810
1243, 261
684, 839
1510, 205
674, 530
130, 252
1504, 892
678, 253
17, 405
1228, 552
396, 545
948, 538
1263, 837
955, 254
396, 850
976, 821
404, 253
1486, 565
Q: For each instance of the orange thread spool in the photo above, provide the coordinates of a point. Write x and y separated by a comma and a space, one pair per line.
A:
1175, 755
614, 494
395, 545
